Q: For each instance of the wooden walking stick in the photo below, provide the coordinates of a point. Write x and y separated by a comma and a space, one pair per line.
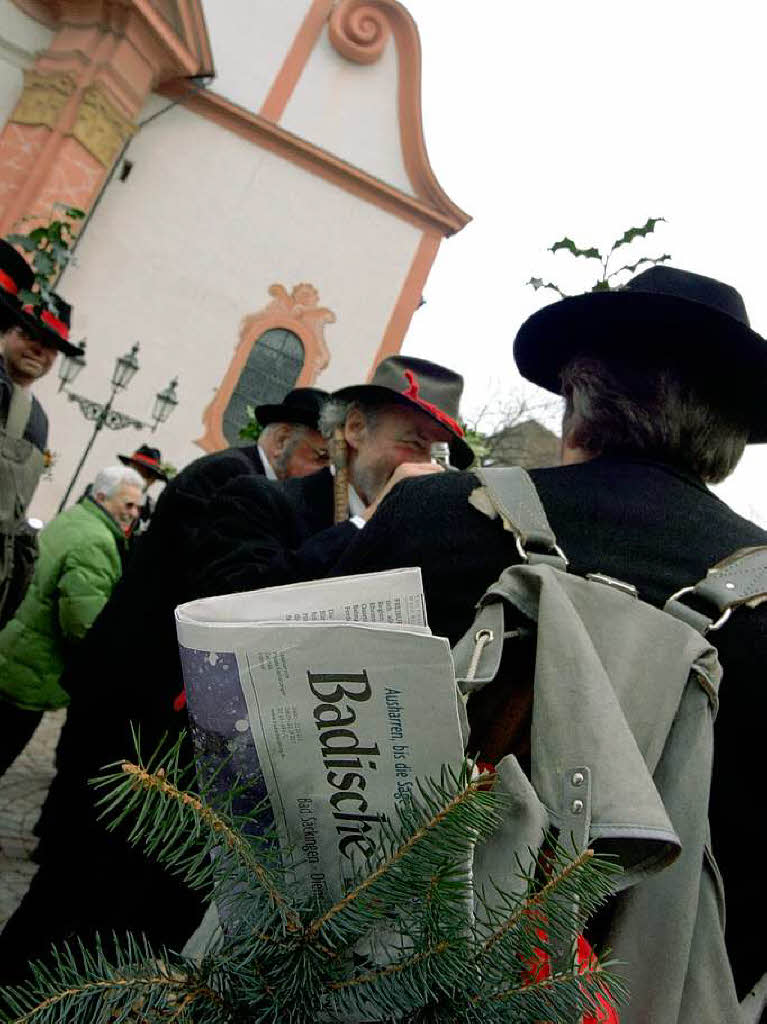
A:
341, 478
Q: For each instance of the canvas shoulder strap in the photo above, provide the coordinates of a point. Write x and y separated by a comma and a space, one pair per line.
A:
507, 493
512, 496
739, 579
19, 410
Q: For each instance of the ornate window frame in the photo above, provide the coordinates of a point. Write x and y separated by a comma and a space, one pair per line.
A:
297, 311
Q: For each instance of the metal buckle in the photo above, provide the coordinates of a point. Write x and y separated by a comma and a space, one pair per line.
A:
712, 626
720, 621
554, 549
611, 581
680, 593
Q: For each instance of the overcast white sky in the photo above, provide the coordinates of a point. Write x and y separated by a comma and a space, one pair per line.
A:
548, 118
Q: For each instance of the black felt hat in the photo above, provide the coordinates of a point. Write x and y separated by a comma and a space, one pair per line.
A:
15, 276
146, 458
663, 317
301, 405
425, 386
51, 326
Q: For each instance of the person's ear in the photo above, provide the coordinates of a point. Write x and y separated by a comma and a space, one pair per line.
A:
355, 428
280, 437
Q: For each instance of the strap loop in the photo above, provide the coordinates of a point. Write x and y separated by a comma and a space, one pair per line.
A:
739, 579
514, 498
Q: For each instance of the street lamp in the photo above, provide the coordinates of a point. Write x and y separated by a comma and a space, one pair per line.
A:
102, 414
165, 402
70, 366
126, 368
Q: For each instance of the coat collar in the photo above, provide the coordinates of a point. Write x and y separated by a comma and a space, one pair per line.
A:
93, 508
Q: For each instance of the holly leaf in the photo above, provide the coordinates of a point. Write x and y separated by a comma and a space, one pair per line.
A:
44, 263
538, 282
28, 298
632, 267
74, 213
647, 229
570, 246
22, 242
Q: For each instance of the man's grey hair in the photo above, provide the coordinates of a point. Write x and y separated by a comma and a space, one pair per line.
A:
335, 412
636, 410
109, 480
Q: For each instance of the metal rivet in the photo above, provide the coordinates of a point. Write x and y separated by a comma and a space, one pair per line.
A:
577, 779
730, 586
577, 806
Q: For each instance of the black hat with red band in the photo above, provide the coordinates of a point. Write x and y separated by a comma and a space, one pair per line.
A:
419, 384
146, 458
49, 326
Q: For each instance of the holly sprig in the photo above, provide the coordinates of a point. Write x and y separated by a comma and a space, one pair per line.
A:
606, 281
49, 249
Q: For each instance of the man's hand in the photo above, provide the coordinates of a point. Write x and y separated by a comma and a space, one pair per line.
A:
402, 472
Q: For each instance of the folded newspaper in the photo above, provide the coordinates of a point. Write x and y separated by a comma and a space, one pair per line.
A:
332, 698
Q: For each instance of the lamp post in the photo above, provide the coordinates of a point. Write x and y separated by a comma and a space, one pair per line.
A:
102, 414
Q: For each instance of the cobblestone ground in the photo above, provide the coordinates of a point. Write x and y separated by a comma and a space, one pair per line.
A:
22, 791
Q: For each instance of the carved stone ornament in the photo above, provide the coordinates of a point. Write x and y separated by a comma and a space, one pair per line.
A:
299, 306
359, 29
100, 127
43, 98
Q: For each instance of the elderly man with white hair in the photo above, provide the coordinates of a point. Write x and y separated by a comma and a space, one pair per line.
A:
81, 558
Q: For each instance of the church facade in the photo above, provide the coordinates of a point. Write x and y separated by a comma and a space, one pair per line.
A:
260, 208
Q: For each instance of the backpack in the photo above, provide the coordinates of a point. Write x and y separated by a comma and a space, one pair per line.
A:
596, 710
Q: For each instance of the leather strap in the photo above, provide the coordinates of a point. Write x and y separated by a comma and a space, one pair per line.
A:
19, 411
739, 579
513, 496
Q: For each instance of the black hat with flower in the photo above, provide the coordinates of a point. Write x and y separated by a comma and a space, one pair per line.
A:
47, 320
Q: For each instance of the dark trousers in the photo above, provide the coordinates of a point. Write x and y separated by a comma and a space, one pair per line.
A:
16, 729
95, 886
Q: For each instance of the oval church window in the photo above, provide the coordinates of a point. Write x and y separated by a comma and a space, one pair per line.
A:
272, 369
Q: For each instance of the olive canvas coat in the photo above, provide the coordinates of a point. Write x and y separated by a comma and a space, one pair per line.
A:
80, 561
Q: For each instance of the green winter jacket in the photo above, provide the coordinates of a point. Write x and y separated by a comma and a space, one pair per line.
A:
79, 564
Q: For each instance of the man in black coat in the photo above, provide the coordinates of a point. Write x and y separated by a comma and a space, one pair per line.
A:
664, 384
263, 535
126, 675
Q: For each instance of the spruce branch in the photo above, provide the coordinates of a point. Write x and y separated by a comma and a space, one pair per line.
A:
537, 899
206, 846
139, 985
445, 822
410, 940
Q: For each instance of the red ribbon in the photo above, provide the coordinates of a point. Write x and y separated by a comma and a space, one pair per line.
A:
8, 283
411, 392
52, 321
146, 460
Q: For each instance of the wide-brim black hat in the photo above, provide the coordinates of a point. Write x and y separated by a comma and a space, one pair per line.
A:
665, 317
50, 326
16, 275
428, 387
148, 458
301, 405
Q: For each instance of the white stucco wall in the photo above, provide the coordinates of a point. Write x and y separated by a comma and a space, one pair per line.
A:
20, 39
249, 40
351, 110
177, 255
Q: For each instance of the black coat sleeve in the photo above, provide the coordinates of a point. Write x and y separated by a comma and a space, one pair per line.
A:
254, 539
